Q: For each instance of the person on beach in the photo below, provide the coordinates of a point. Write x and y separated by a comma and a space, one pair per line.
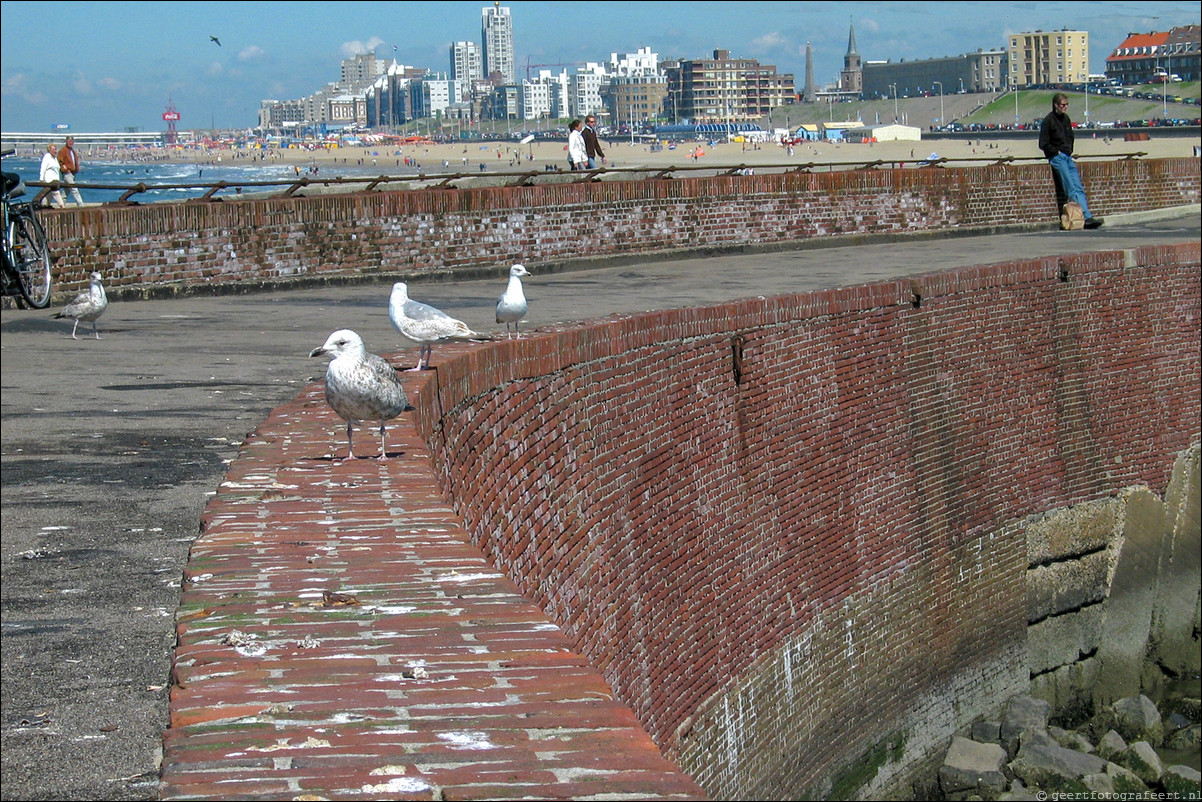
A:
68, 165
577, 155
592, 146
1056, 141
50, 172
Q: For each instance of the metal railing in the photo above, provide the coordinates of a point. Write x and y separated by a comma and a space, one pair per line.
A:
292, 186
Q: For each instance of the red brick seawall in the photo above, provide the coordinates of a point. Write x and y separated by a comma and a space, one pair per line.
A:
166, 248
766, 537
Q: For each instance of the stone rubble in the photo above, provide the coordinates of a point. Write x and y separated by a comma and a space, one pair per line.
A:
1022, 757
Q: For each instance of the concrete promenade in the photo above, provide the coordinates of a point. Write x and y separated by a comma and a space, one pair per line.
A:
111, 449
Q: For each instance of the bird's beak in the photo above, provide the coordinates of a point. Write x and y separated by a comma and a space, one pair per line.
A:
317, 351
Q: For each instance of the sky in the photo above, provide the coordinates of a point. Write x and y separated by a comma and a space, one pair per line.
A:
113, 66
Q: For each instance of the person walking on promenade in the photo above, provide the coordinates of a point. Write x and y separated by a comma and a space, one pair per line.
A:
577, 156
592, 147
1056, 142
68, 163
50, 172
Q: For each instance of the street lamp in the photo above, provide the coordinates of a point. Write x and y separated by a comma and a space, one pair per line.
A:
938, 84
1016, 104
894, 88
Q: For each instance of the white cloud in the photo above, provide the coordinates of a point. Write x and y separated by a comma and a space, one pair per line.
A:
216, 68
769, 41
251, 53
355, 47
20, 86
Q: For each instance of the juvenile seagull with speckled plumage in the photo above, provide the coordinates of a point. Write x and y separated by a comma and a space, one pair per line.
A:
360, 386
87, 306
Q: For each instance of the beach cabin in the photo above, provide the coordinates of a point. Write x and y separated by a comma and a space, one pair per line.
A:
838, 132
809, 132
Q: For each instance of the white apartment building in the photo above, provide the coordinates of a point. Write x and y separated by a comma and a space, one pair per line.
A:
643, 64
496, 31
585, 90
546, 96
467, 65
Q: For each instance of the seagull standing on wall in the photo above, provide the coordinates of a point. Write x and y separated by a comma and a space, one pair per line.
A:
423, 323
87, 306
511, 306
360, 386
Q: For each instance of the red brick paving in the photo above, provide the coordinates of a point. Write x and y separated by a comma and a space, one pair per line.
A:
442, 682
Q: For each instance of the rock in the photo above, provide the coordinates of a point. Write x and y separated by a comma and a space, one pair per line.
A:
1100, 784
1023, 713
1124, 781
1187, 738
1071, 740
973, 766
1175, 721
1044, 763
1181, 782
987, 732
1111, 745
1019, 793
1143, 761
1186, 706
1135, 718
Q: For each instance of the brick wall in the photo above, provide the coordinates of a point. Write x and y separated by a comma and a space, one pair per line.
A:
160, 249
774, 525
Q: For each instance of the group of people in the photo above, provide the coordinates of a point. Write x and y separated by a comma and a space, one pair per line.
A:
584, 149
62, 165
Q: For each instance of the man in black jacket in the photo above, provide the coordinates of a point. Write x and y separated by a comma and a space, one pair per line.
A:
592, 147
1056, 142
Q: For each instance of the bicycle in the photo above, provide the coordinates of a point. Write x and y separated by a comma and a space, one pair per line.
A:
26, 262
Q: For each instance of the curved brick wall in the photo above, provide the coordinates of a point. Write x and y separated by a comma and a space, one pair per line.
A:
773, 526
162, 248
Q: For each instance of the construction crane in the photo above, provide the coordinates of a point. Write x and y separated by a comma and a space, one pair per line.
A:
530, 66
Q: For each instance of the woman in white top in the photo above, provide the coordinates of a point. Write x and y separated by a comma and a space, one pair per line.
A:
51, 172
577, 156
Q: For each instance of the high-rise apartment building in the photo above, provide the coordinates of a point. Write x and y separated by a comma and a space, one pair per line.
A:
467, 66
1049, 57
496, 33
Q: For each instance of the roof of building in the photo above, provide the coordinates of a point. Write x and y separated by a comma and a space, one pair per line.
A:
1139, 45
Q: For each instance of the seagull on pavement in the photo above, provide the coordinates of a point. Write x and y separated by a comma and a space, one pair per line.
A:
423, 323
87, 306
360, 386
511, 306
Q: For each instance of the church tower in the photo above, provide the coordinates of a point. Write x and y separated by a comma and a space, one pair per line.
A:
851, 79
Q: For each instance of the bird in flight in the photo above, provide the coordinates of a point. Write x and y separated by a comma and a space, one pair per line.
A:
215, 39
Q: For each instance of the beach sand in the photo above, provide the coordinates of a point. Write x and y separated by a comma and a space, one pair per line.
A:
497, 156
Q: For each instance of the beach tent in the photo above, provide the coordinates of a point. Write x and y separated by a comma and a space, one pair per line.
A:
891, 132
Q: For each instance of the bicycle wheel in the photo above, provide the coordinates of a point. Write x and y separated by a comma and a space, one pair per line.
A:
32, 258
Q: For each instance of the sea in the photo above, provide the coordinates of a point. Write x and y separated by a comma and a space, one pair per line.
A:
161, 174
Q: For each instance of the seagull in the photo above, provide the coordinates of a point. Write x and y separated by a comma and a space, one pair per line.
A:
360, 386
511, 306
87, 306
215, 39
423, 324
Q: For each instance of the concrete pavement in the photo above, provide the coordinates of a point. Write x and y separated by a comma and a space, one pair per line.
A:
112, 447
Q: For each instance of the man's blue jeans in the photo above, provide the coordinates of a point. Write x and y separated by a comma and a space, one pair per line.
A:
1070, 180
